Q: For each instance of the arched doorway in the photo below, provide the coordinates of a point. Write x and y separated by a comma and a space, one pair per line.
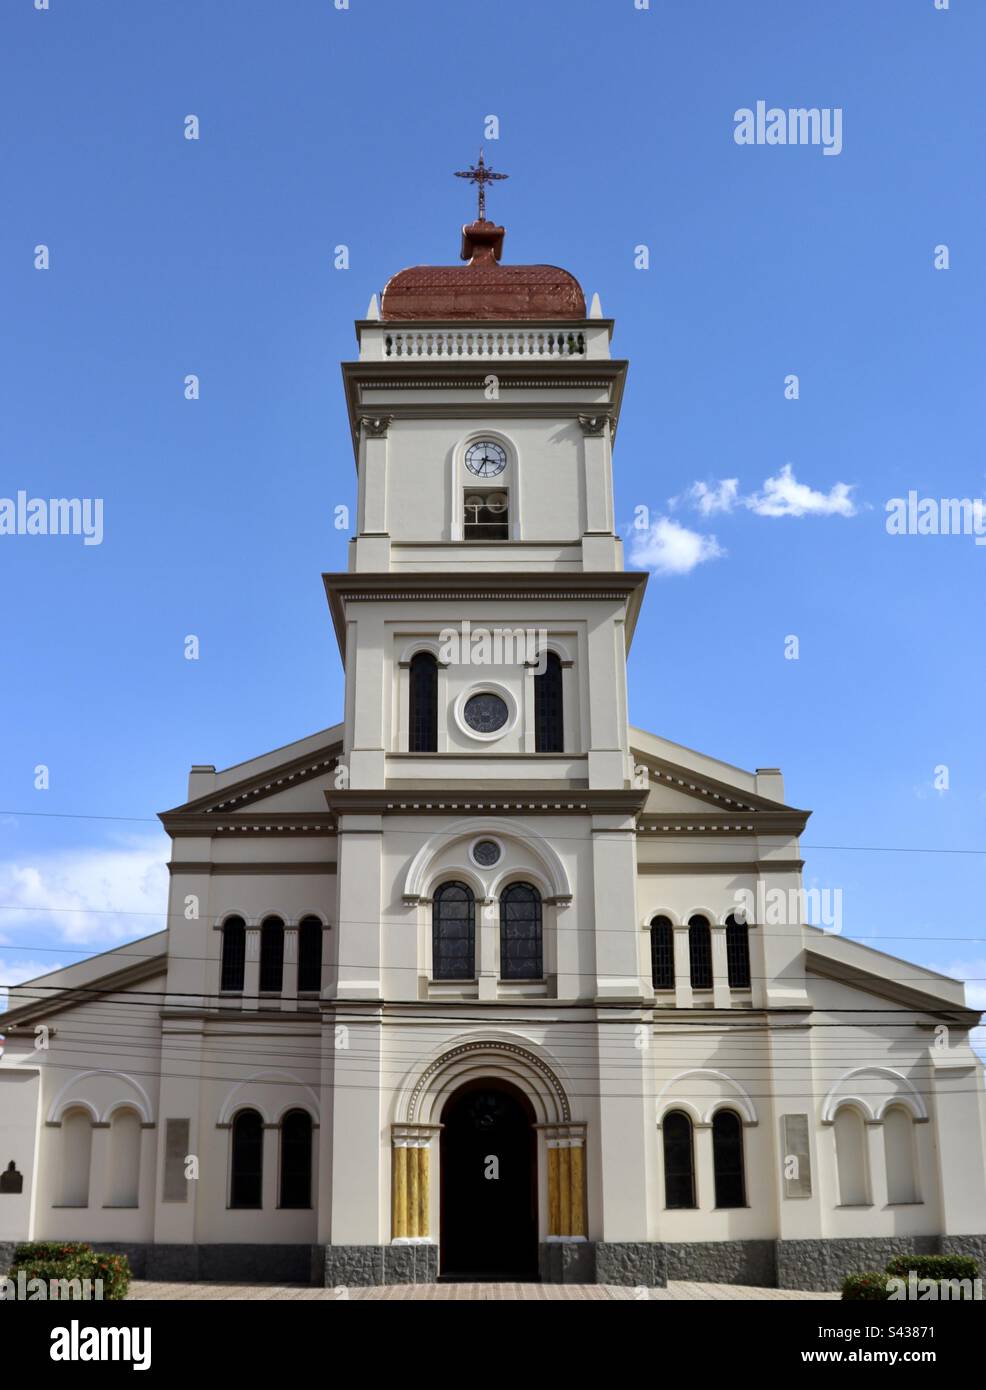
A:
488, 1183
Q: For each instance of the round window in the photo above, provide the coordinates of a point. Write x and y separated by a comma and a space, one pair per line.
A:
486, 713
486, 853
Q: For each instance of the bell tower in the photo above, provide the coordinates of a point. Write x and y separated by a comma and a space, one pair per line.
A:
483, 407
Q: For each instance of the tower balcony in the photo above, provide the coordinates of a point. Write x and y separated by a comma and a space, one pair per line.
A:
485, 341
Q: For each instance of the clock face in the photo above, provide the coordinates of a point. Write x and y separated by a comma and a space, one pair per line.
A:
485, 459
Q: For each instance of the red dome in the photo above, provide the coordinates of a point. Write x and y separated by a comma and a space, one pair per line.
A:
482, 289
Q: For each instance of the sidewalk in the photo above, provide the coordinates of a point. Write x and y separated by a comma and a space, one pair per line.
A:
675, 1292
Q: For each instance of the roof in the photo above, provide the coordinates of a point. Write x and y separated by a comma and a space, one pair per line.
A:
483, 288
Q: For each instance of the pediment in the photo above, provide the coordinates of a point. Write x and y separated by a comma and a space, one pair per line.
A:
296, 786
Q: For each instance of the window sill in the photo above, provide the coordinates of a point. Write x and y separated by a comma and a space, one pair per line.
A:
892, 1206
121, 1206
452, 989
512, 988
70, 1206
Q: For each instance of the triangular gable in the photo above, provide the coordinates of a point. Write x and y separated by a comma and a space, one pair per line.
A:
256, 786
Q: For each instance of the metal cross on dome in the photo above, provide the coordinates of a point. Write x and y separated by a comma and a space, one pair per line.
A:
480, 174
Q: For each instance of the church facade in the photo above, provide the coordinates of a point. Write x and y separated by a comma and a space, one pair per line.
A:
482, 982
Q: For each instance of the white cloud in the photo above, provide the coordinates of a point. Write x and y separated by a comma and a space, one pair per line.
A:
785, 496
105, 895
668, 548
720, 498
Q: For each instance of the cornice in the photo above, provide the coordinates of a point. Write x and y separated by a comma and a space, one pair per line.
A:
208, 824
471, 374
440, 802
720, 866
626, 586
722, 823
252, 866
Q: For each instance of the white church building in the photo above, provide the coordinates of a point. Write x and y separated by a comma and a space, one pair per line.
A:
463, 986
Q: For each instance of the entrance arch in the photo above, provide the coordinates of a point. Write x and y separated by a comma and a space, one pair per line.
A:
488, 1174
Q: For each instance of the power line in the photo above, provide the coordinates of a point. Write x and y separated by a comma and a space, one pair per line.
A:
416, 1006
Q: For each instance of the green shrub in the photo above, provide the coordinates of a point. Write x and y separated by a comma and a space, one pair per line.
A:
48, 1260
871, 1285
934, 1266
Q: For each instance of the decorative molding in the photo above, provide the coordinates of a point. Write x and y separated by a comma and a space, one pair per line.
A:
594, 426
719, 823
205, 824
495, 1046
721, 866
254, 866
585, 803
375, 426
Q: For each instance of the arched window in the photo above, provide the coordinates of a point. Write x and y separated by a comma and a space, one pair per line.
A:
246, 1185
454, 933
422, 734
700, 953
738, 953
679, 1161
296, 1159
310, 956
76, 1155
521, 952
271, 956
662, 953
898, 1138
727, 1159
123, 1178
549, 723
850, 1152
234, 954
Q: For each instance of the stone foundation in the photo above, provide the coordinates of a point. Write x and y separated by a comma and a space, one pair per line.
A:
752, 1262
785, 1264
567, 1262
360, 1265
823, 1264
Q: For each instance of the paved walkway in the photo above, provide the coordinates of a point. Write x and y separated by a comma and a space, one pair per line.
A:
676, 1291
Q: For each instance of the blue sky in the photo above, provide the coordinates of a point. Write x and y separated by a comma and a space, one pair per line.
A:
322, 127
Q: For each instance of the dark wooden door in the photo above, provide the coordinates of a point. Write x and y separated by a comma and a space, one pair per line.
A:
489, 1184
